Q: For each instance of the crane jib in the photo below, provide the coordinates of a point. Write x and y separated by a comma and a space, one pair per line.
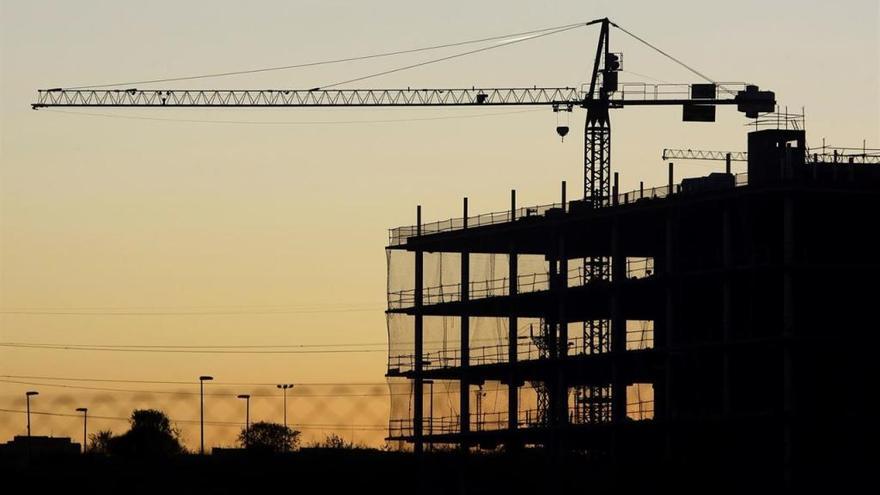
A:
309, 98
567, 97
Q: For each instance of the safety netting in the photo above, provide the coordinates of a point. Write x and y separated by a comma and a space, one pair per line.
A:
441, 282
488, 403
488, 343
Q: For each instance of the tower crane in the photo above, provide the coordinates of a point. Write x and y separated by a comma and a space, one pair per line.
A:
603, 93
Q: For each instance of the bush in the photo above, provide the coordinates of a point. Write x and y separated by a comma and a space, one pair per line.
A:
334, 441
269, 437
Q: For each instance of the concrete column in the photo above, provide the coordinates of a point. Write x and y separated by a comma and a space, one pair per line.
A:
562, 285
512, 336
552, 323
418, 385
562, 325
618, 325
562, 342
464, 383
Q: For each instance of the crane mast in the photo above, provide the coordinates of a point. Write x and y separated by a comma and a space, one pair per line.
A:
591, 402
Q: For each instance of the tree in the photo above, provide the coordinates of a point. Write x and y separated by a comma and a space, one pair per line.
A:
265, 436
99, 442
151, 435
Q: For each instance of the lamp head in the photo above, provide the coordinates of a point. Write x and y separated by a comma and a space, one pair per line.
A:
82, 409
244, 396
205, 378
31, 392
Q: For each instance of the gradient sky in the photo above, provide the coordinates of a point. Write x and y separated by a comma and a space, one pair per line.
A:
285, 223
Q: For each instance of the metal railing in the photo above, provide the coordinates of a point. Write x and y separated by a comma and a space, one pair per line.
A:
639, 410
400, 235
841, 156
526, 283
640, 91
526, 349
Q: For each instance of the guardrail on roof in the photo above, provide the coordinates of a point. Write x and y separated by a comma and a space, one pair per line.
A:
400, 235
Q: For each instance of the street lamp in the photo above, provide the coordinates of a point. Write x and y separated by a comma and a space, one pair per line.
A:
479, 394
85, 411
28, 395
202, 380
247, 414
284, 387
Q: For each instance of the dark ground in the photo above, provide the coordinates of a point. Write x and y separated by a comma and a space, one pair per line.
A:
370, 471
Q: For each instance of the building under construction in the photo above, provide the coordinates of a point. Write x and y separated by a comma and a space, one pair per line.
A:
724, 322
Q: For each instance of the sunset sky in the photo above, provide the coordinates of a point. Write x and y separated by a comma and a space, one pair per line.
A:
266, 227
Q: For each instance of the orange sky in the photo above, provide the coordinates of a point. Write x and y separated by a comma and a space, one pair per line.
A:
284, 224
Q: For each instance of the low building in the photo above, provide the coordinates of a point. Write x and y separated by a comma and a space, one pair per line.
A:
39, 446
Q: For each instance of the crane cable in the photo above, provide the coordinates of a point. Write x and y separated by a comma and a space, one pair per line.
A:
449, 57
670, 57
333, 61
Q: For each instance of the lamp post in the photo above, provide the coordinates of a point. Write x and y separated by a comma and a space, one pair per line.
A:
284, 387
247, 414
85, 411
28, 395
479, 394
202, 380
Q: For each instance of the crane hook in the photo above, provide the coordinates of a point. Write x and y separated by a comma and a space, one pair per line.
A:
562, 130
562, 124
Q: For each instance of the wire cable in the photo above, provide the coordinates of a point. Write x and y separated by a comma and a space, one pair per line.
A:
185, 313
144, 346
450, 57
182, 382
190, 351
670, 57
295, 394
325, 62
